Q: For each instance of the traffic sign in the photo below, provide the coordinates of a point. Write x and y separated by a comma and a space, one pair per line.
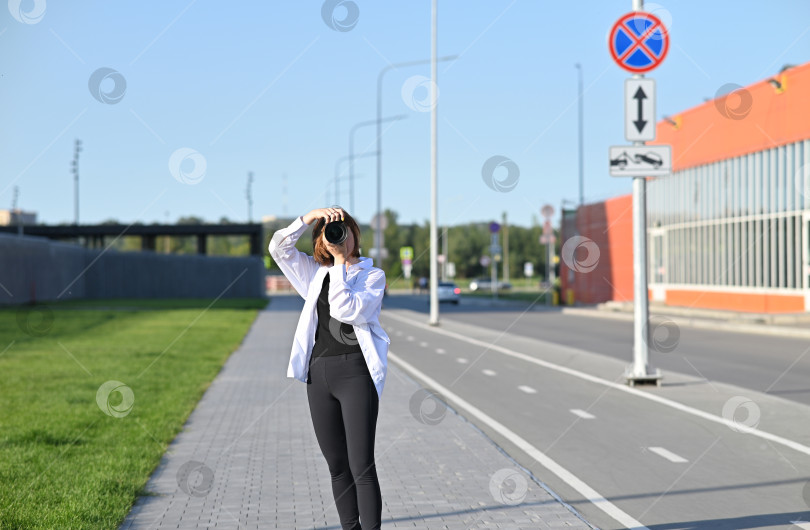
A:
638, 42
379, 222
494, 227
640, 160
547, 210
548, 239
406, 253
547, 228
639, 110
484, 261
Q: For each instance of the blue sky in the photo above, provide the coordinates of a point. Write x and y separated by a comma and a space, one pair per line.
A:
269, 87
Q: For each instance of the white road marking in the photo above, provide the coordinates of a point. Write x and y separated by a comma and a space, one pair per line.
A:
423, 344
398, 333
409, 337
583, 414
616, 386
527, 389
440, 351
566, 476
804, 525
462, 360
669, 455
487, 371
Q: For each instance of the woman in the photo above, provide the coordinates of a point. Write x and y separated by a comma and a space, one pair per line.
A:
340, 351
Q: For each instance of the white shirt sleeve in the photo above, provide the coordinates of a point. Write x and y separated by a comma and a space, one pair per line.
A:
299, 267
356, 304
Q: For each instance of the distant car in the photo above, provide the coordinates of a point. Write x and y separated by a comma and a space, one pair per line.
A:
449, 292
485, 284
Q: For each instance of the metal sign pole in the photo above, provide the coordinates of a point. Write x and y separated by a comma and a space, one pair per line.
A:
640, 368
548, 274
551, 275
493, 244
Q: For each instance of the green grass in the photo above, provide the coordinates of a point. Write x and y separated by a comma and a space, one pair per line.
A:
63, 462
517, 283
168, 303
523, 296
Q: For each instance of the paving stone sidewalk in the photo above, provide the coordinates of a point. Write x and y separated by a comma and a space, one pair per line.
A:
248, 456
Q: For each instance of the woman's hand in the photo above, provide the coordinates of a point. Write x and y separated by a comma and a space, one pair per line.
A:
338, 252
329, 214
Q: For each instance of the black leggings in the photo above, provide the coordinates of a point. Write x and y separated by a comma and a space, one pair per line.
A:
343, 403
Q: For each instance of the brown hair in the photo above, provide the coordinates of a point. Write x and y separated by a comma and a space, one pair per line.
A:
319, 251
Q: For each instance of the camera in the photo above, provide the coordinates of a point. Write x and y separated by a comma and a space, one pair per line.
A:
336, 232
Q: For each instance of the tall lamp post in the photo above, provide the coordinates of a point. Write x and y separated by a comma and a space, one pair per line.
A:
330, 182
75, 171
249, 196
337, 173
378, 121
353, 130
581, 168
434, 166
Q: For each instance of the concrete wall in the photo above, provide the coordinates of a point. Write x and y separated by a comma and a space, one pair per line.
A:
45, 270
609, 224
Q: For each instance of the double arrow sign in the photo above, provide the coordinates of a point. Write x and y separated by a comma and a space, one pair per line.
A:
639, 126
639, 110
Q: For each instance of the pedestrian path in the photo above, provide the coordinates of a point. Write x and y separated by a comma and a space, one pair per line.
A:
248, 456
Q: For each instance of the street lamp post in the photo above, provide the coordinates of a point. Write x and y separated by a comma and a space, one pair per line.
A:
351, 150
337, 173
581, 168
75, 171
249, 196
378, 121
330, 182
434, 166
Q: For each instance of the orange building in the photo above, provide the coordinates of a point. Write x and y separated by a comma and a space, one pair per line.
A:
730, 227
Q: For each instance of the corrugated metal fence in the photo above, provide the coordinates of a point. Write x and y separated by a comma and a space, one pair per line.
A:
44, 270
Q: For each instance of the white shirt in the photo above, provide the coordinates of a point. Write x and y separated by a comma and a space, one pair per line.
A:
355, 297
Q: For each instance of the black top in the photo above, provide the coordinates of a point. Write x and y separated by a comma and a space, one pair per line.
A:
332, 337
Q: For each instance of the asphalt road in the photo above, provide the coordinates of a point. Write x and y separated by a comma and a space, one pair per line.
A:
547, 388
764, 363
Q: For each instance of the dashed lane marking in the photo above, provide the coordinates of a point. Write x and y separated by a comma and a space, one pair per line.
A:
669, 455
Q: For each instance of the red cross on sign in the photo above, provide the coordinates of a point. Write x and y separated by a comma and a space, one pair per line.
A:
638, 42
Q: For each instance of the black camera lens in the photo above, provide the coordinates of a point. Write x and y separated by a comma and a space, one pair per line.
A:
336, 232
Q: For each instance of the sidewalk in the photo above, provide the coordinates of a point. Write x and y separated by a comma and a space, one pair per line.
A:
248, 456
785, 325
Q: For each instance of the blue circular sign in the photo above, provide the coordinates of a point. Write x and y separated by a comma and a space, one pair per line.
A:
639, 42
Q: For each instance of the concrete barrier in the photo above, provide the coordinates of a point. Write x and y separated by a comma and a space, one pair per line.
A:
34, 268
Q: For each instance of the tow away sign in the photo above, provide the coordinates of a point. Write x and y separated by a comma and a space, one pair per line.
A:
640, 160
